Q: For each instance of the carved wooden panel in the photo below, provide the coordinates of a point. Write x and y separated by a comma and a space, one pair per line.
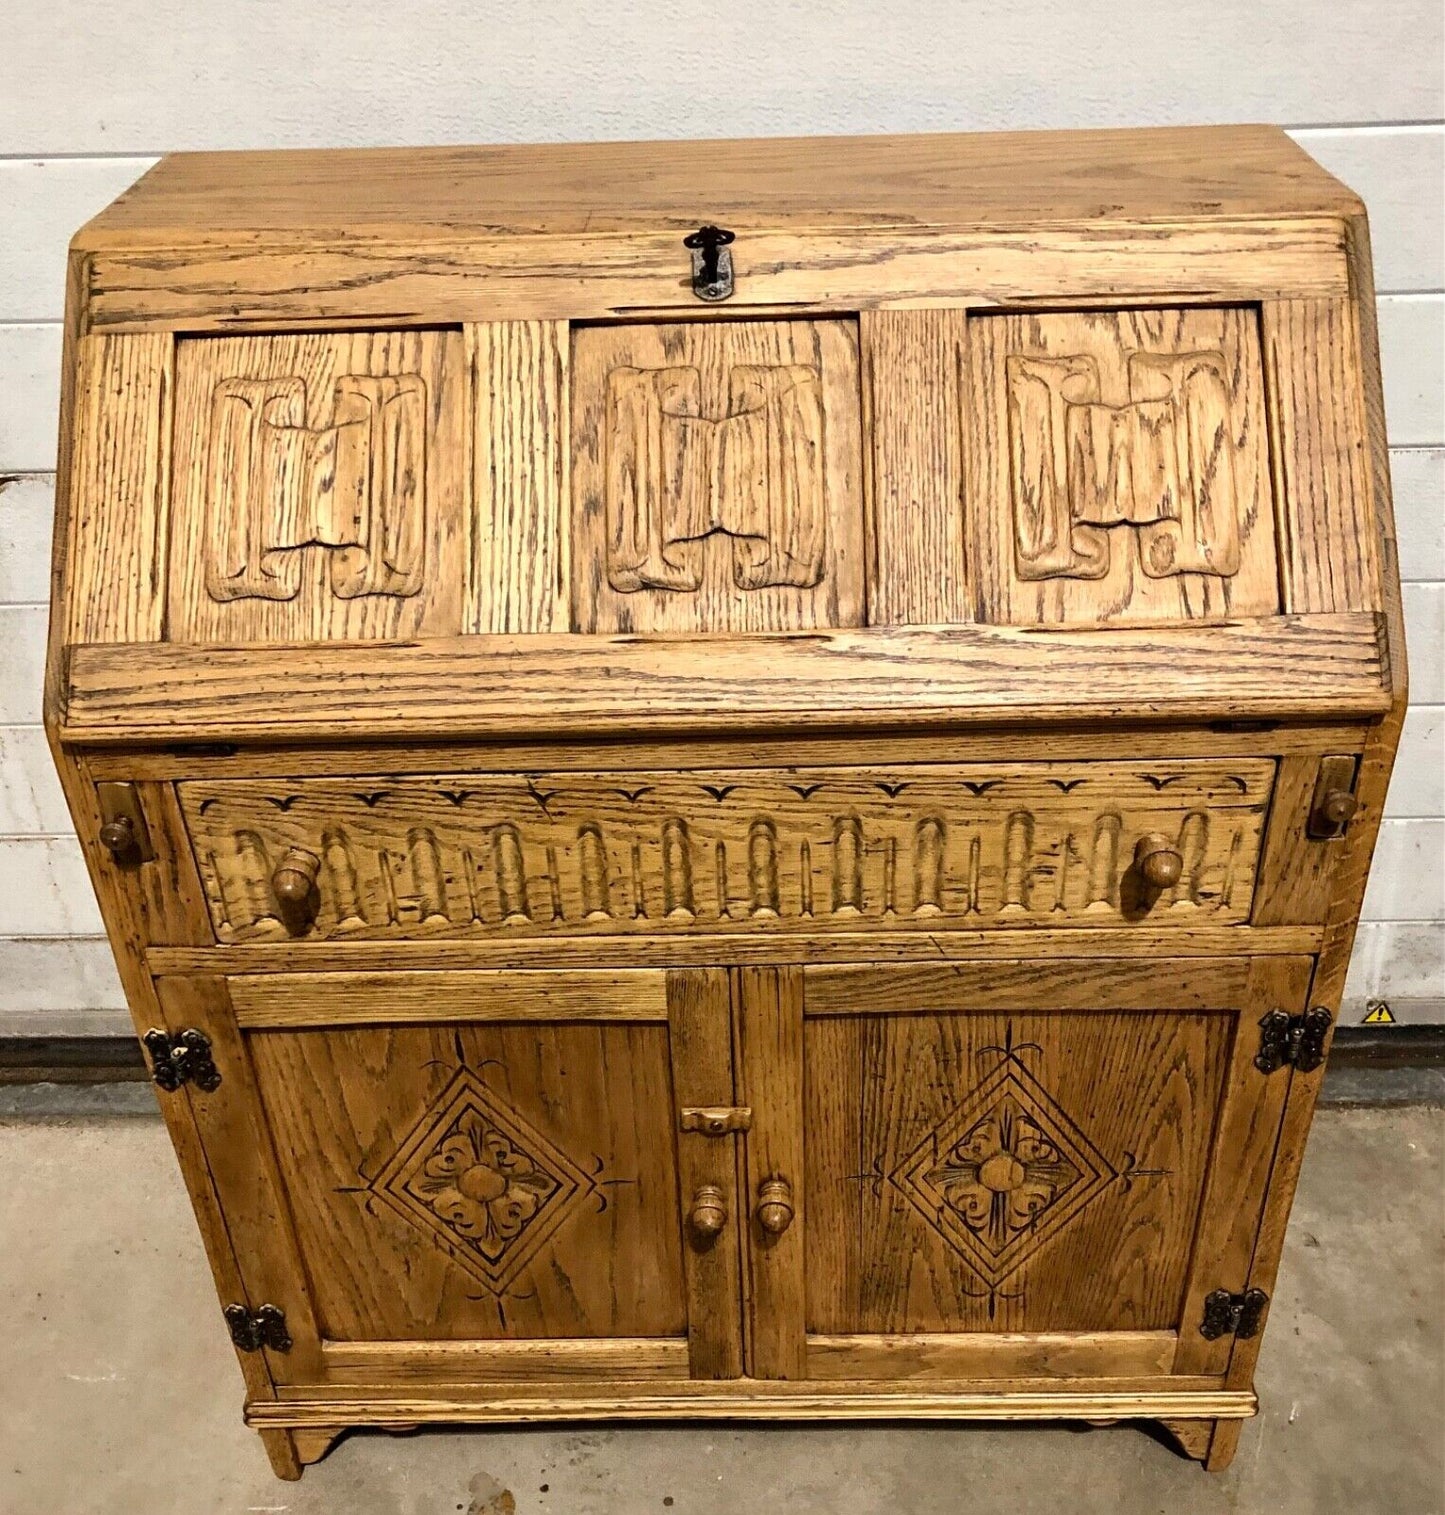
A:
977, 1171
487, 1182
320, 488
972, 845
1121, 468
716, 476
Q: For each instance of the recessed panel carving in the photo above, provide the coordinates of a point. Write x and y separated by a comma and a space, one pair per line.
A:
842, 848
716, 477
319, 489
1122, 468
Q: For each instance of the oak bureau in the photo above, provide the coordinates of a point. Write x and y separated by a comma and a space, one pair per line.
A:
732, 778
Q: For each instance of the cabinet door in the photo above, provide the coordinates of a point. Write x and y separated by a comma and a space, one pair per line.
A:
469, 1175
998, 1170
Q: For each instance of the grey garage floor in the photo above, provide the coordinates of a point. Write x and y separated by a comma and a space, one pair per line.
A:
119, 1394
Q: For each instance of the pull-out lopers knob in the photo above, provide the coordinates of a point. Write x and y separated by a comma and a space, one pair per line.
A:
118, 836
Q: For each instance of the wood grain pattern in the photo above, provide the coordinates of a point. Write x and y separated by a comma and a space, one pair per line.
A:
521, 488
1327, 535
346, 999
119, 527
1266, 668
1036, 1354
717, 478
555, 1360
999, 1172
320, 488
912, 373
1004, 845
700, 1022
1121, 470
479, 1181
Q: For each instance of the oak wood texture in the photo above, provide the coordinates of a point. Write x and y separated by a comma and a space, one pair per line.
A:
1120, 469
1004, 845
319, 488
559, 706
1264, 668
716, 469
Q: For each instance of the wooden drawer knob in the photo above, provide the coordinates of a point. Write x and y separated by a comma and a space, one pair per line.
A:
118, 836
1337, 808
294, 885
1159, 862
775, 1205
709, 1213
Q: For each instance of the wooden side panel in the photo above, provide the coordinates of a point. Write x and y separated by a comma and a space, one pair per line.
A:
717, 472
1120, 468
480, 1181
1239, 1169
321, 488
700, 1022
243, 1168
119, 483
520, 476
912, 371
769, 1049
1327, 521
977, 1171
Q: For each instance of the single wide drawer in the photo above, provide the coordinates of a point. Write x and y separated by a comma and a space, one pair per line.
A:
977, 845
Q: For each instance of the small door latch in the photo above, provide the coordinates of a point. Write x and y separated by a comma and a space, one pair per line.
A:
712, 263
716, 1120
253, 1329
1239, 1315
184, 1058
1298, 1040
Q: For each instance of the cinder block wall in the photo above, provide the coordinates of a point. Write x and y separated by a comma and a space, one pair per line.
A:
91, 93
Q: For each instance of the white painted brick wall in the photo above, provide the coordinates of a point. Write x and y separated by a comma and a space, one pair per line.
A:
93, 93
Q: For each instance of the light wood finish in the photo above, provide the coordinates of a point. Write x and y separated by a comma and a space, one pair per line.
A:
1120, 469
520, 485
730, 857
319, 488
342, 999
1001, 845
913, 364
1267, 668
119, 488
716, 470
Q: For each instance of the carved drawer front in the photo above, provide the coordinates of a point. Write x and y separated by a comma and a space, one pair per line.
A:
319, 487
1123, 466
973, 845
716, 477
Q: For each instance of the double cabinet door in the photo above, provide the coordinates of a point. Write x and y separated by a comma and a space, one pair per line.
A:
982, 1170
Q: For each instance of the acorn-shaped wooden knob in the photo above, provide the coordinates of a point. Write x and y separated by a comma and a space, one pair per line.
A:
1158, 860
294, 885
709, 1213
775, 1205
118, 836
1337, 807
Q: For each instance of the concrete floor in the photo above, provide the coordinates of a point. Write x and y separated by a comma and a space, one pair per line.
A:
119, 1394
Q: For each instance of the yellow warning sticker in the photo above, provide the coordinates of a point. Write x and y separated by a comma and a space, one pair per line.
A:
1378, 1013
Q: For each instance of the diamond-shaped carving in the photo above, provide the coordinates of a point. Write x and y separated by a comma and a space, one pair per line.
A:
473, 1176
1005, 1171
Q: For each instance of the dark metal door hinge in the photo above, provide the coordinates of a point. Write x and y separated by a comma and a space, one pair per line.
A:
184, 1058
1298, 1040
1238, 1315
253, 1329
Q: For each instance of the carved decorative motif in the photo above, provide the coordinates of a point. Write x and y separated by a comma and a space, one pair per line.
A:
677, 476
475, 1177
355, 488
1161, 465
1003, 1172
1040, 843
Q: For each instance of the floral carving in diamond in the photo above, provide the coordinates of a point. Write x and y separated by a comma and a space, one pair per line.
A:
1005, 1171
475, 1177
